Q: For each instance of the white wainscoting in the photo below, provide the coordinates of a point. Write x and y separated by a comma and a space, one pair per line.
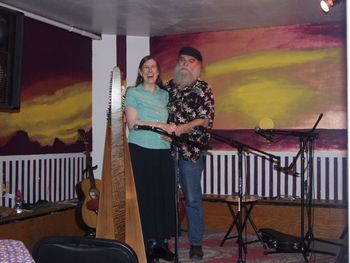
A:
260, 178
41, 177
53, 177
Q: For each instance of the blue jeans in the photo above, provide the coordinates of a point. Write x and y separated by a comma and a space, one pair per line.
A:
190, 180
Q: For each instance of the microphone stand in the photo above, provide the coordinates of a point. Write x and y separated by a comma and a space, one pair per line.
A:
177, 200
240, 148
306, 139
176, 141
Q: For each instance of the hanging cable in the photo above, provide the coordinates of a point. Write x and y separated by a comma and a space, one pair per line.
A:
53, 22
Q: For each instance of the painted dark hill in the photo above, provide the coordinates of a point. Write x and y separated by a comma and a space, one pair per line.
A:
21, 144
328, 139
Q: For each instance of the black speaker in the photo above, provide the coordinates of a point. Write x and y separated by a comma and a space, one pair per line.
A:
11, 38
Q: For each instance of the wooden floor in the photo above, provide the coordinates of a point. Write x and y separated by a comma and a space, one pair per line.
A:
327, 222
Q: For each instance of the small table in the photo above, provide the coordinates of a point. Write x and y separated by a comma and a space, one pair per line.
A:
14, 251
247, 205
11, 215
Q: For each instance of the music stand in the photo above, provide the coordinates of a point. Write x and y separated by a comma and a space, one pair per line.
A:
241, 147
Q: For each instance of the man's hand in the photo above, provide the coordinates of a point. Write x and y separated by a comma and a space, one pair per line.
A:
188, 127
181, 129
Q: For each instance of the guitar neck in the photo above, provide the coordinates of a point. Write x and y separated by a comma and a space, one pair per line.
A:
88, 162
90, 171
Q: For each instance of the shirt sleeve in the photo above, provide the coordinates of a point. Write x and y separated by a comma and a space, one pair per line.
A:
130, 98
206, 105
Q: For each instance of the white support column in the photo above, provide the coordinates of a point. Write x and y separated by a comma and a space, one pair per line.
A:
104, 58
136, 49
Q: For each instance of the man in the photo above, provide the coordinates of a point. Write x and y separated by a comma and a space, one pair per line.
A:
191, 109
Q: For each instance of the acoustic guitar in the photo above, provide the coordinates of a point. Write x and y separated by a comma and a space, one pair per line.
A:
88, 190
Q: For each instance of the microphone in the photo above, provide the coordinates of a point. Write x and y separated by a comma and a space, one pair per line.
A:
150, 128
143, 127
264, 133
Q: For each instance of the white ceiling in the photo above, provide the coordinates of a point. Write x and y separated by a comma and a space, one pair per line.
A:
164, 17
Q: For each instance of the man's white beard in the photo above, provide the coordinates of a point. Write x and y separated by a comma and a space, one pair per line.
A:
184, 77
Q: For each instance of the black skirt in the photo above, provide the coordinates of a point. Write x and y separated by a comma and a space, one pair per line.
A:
155, 186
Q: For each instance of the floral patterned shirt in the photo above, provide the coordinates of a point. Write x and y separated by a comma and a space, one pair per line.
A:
185, 105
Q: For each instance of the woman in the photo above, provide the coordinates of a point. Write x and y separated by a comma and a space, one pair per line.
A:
153, 167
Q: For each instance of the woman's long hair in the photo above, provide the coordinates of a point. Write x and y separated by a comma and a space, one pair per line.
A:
139, 78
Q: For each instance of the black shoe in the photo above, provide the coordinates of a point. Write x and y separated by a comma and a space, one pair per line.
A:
196, 252
163, 252
150, 246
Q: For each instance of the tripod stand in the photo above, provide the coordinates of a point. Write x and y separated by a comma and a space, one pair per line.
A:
240, 149
306, 140
307, 143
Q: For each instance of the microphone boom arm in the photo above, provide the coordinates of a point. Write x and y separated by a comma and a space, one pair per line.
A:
240, 145
175, 138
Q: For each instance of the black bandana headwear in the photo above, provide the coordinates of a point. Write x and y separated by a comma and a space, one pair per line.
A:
190, 51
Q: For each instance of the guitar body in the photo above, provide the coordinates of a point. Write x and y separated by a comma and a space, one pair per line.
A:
87, 217
88, 191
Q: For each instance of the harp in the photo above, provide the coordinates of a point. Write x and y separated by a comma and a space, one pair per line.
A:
118, 215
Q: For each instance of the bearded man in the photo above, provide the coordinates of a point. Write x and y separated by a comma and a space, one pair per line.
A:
191, 109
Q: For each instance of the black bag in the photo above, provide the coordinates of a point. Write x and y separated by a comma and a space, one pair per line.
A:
279, 241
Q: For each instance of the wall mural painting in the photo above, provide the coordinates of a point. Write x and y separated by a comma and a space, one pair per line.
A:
272, 78
55, 93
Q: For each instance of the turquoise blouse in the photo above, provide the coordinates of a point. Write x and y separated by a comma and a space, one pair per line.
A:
149, 107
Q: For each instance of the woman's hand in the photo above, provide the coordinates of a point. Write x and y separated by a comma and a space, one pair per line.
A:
169, 128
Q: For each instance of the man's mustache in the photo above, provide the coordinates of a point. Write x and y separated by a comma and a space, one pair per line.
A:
184, 68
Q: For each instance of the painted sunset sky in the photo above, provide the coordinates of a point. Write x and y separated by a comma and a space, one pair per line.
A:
280, 77
55, 87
